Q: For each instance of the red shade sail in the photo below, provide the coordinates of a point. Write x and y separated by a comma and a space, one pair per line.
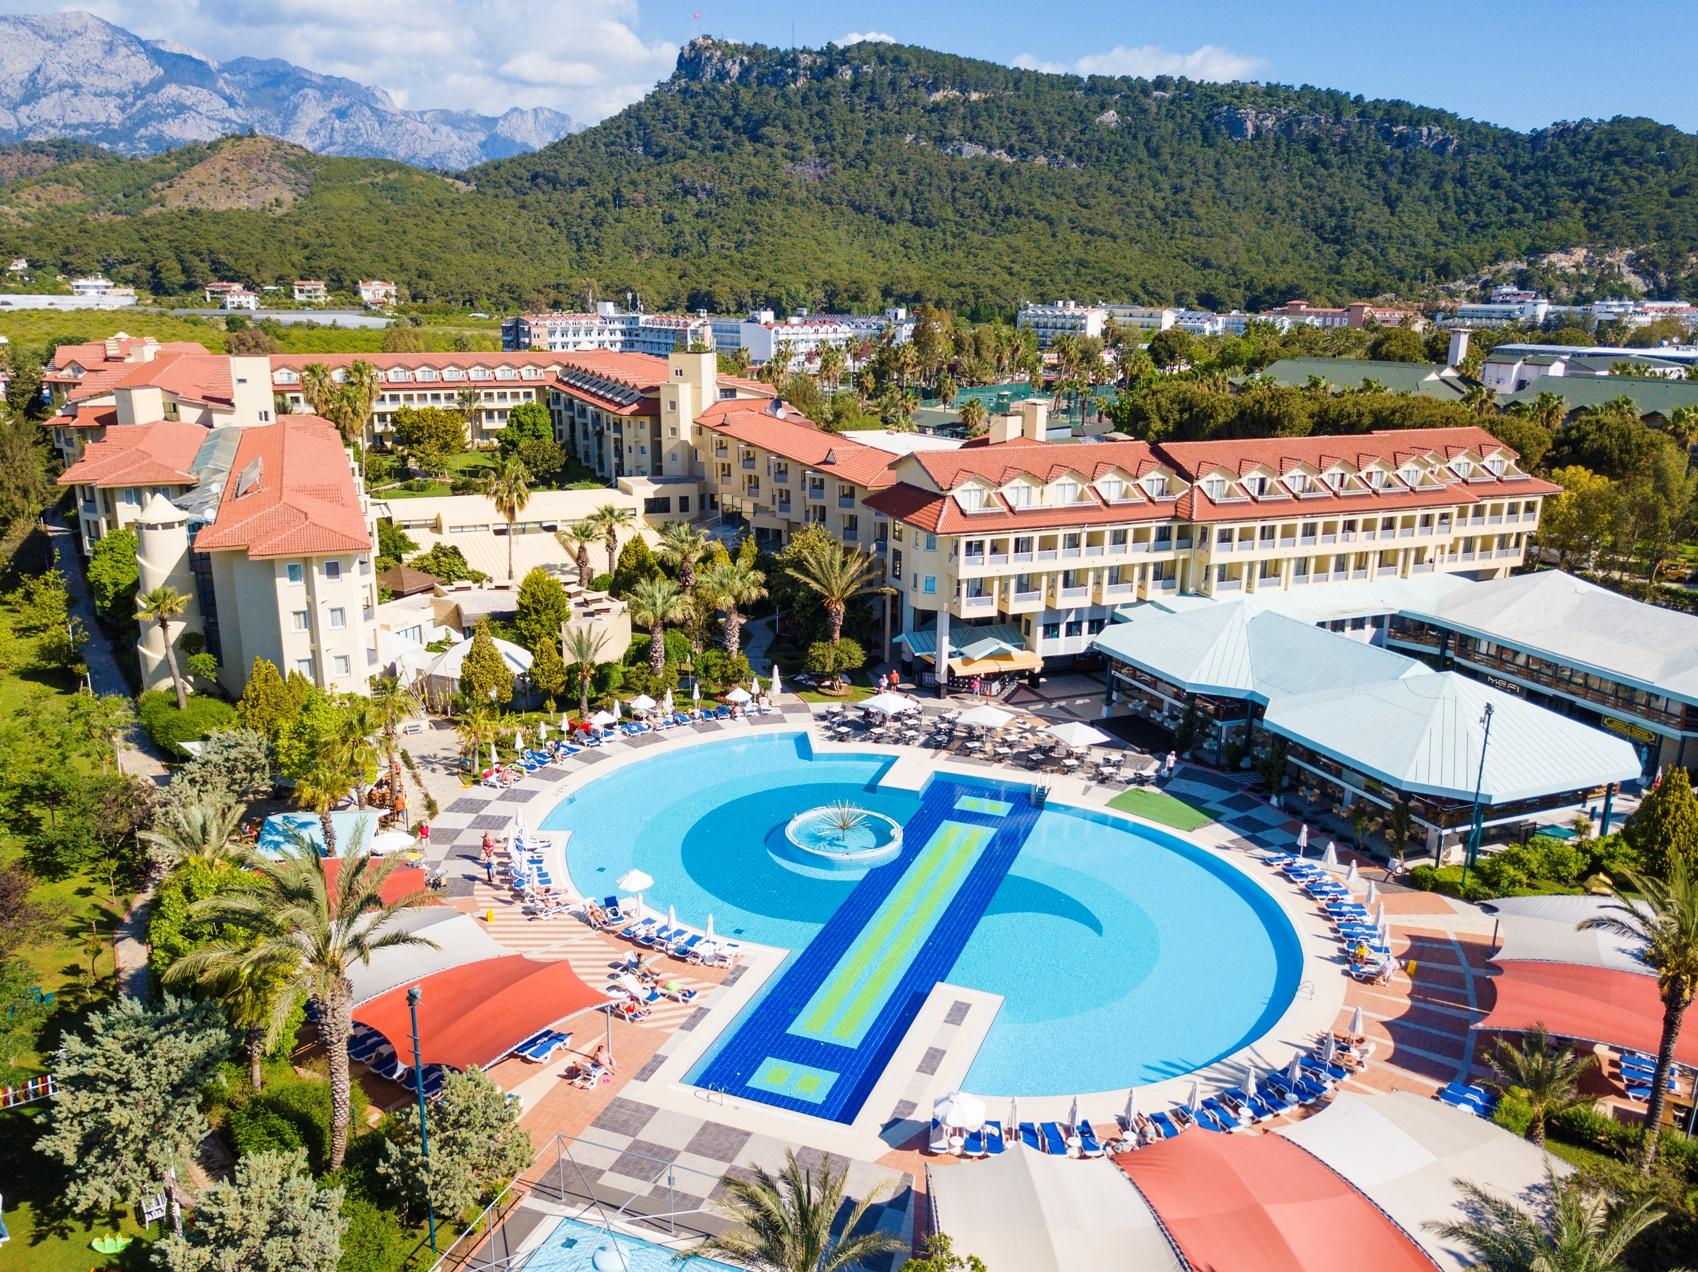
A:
1233, 1202
1595, 1004
402, 881
476, 1013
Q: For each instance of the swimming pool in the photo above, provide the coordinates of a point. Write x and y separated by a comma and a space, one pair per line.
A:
572, 1245
1124, 955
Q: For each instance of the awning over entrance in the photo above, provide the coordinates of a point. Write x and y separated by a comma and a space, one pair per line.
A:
476, 1013
976, 651
1259, 1201
1593, 1004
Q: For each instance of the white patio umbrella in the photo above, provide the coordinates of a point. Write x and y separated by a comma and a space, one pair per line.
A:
666, 704
542, 730
986, 717
960, 1110
671, 917
1195, 1095
1356, 1023
1013, 1120
518, 739
1294, 1074
754, 686
565, 721
1330, 857
1075, 734
1250, 1080
1329, 1049
642, 702
1073, 1112
618, 709
1350, 876
738, 695
601, 719
888, 704
1302, 839
635, 882
696, 692
494, 760
775, 685
391, 841
1131, 1106
1372, 894
707, 930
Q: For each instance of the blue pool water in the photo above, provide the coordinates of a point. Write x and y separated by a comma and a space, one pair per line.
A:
572, 1244
1123, 955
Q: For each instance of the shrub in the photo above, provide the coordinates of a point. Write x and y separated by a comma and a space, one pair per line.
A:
170, 728
1588, 1127
719, 671
1513, 1112
1425, 878
374, 1240
291, 1112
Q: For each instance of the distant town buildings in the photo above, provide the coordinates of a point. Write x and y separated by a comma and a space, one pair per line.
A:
311, 290
19, 265
1070, 318
240, 298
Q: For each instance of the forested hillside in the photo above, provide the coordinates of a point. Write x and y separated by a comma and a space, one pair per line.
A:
854, 177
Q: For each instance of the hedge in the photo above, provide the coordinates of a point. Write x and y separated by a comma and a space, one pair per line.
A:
170, 728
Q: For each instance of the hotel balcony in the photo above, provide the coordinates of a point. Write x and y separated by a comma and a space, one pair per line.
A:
976, 606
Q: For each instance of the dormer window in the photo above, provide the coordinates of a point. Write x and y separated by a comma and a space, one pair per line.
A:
1298, 482
1411, 475
1374, 477
1334, 479
1066, 491
1155, 485
1018, 496
971, 498
1495, 465
1256, 485
1113, 489
1214, 487
1463, 468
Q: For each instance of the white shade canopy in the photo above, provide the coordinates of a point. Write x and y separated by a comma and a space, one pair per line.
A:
391, 841
642, 702
958, 1109
1548, 929
888, 704
1076, 734
988, 717
635, 881
601, 719
455, 939
444, 671
738, 694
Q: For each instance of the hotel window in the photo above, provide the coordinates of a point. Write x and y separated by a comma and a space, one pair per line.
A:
1214, 487
296, 572
1495, 466
1052, 631
1066, 492
1299, 482
338, 617
298, 620
304, 666
332, 569
1018, 496
1374, 477
1111, 488
1256, 485
929, 585
930, 543
342, 664
971, 498
1117, 538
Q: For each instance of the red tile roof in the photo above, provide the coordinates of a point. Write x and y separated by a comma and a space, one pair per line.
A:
797, 438
302, 500
139, 455
1195, 459
940, 514
1043, 461
93, 353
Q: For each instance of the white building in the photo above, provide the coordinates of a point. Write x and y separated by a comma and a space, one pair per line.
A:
311, 290
375, 293
1062, 318
608, 329
19, 265
240, 298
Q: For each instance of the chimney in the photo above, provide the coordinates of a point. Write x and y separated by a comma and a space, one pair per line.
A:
1003, 428
1458, 346
1034, 420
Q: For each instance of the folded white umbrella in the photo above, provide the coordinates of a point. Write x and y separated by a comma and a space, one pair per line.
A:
1302, 839
1131, 1105
1356, 1023
754, 686
696, 692
986, 717
1330, 1048
707, 931
738, 695
666, 703
1294, 1074
1250, 1080
888, 704
565, 721
1330, 858
671, 917
618, 709
1194, 1096
775, 685
1075, 733
1073, 1112
493, 760
518, 739
1373, 894
1350, 876
1013, 1120
960, 1110
642, 702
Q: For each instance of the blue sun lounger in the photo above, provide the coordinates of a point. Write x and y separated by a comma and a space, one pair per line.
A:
1055, 1143
540, 1047
1166, 1125
993, 1138
1028, 1133
1467, 1097
1225, 1116
1089, 1145
1259, 1108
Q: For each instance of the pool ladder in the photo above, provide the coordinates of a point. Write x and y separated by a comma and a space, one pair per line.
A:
1306, 991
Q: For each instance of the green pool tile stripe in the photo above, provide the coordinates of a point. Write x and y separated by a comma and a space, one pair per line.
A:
786, 1077
984, 804
849, 999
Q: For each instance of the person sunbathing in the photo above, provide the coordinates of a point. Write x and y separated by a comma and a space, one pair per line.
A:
600, 1059
1144, 1129
595, 914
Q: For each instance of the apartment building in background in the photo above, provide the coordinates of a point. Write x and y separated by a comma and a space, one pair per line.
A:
608, 329
311, 290
375, 293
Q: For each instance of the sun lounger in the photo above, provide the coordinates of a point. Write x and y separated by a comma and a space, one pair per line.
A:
973, 1144
1165, 1125
679, 993
683, 948
1225, 1116
1089, 1145
1055, 1143
993, 1138
1258, 1107
639, 932
1209, 1122
1467, 1097
1029, 1137
610, 907
540, 1047
1279, 1088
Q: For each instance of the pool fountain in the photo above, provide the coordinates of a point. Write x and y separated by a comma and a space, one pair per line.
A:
843, 836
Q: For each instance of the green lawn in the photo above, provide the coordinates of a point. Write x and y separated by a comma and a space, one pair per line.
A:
1158, 806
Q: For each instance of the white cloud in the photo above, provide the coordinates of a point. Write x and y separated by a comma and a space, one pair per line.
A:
864, 37
1208, 62
584, 57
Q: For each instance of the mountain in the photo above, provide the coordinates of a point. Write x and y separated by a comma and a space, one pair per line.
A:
74, 76
878, 173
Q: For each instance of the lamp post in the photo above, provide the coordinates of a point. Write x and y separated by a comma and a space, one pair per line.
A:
1476, 820
413, 996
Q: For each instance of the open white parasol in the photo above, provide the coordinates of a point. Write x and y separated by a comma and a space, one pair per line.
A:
635, 882
960, 1110
1076, 734
642, 702
887, 704
738, 695
986, 717
601, 719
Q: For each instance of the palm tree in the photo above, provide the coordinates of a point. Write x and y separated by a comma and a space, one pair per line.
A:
1549, 409
728, 587
837, 575
1664, 918
360, 388
1682, 426
609, 520
975, 415
655, 602
576, 539
683, 546
832, 362
1574, 1229
1545, 1073
160, 606
584, 646
392, 704
201, 830
1479, 399
321, 788
258, 1001
352, 750
477, 729
319, 388
786, 1223
469, 403
308, 935
509, 489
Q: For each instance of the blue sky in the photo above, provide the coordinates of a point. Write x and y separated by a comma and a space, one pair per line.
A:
1523, 63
